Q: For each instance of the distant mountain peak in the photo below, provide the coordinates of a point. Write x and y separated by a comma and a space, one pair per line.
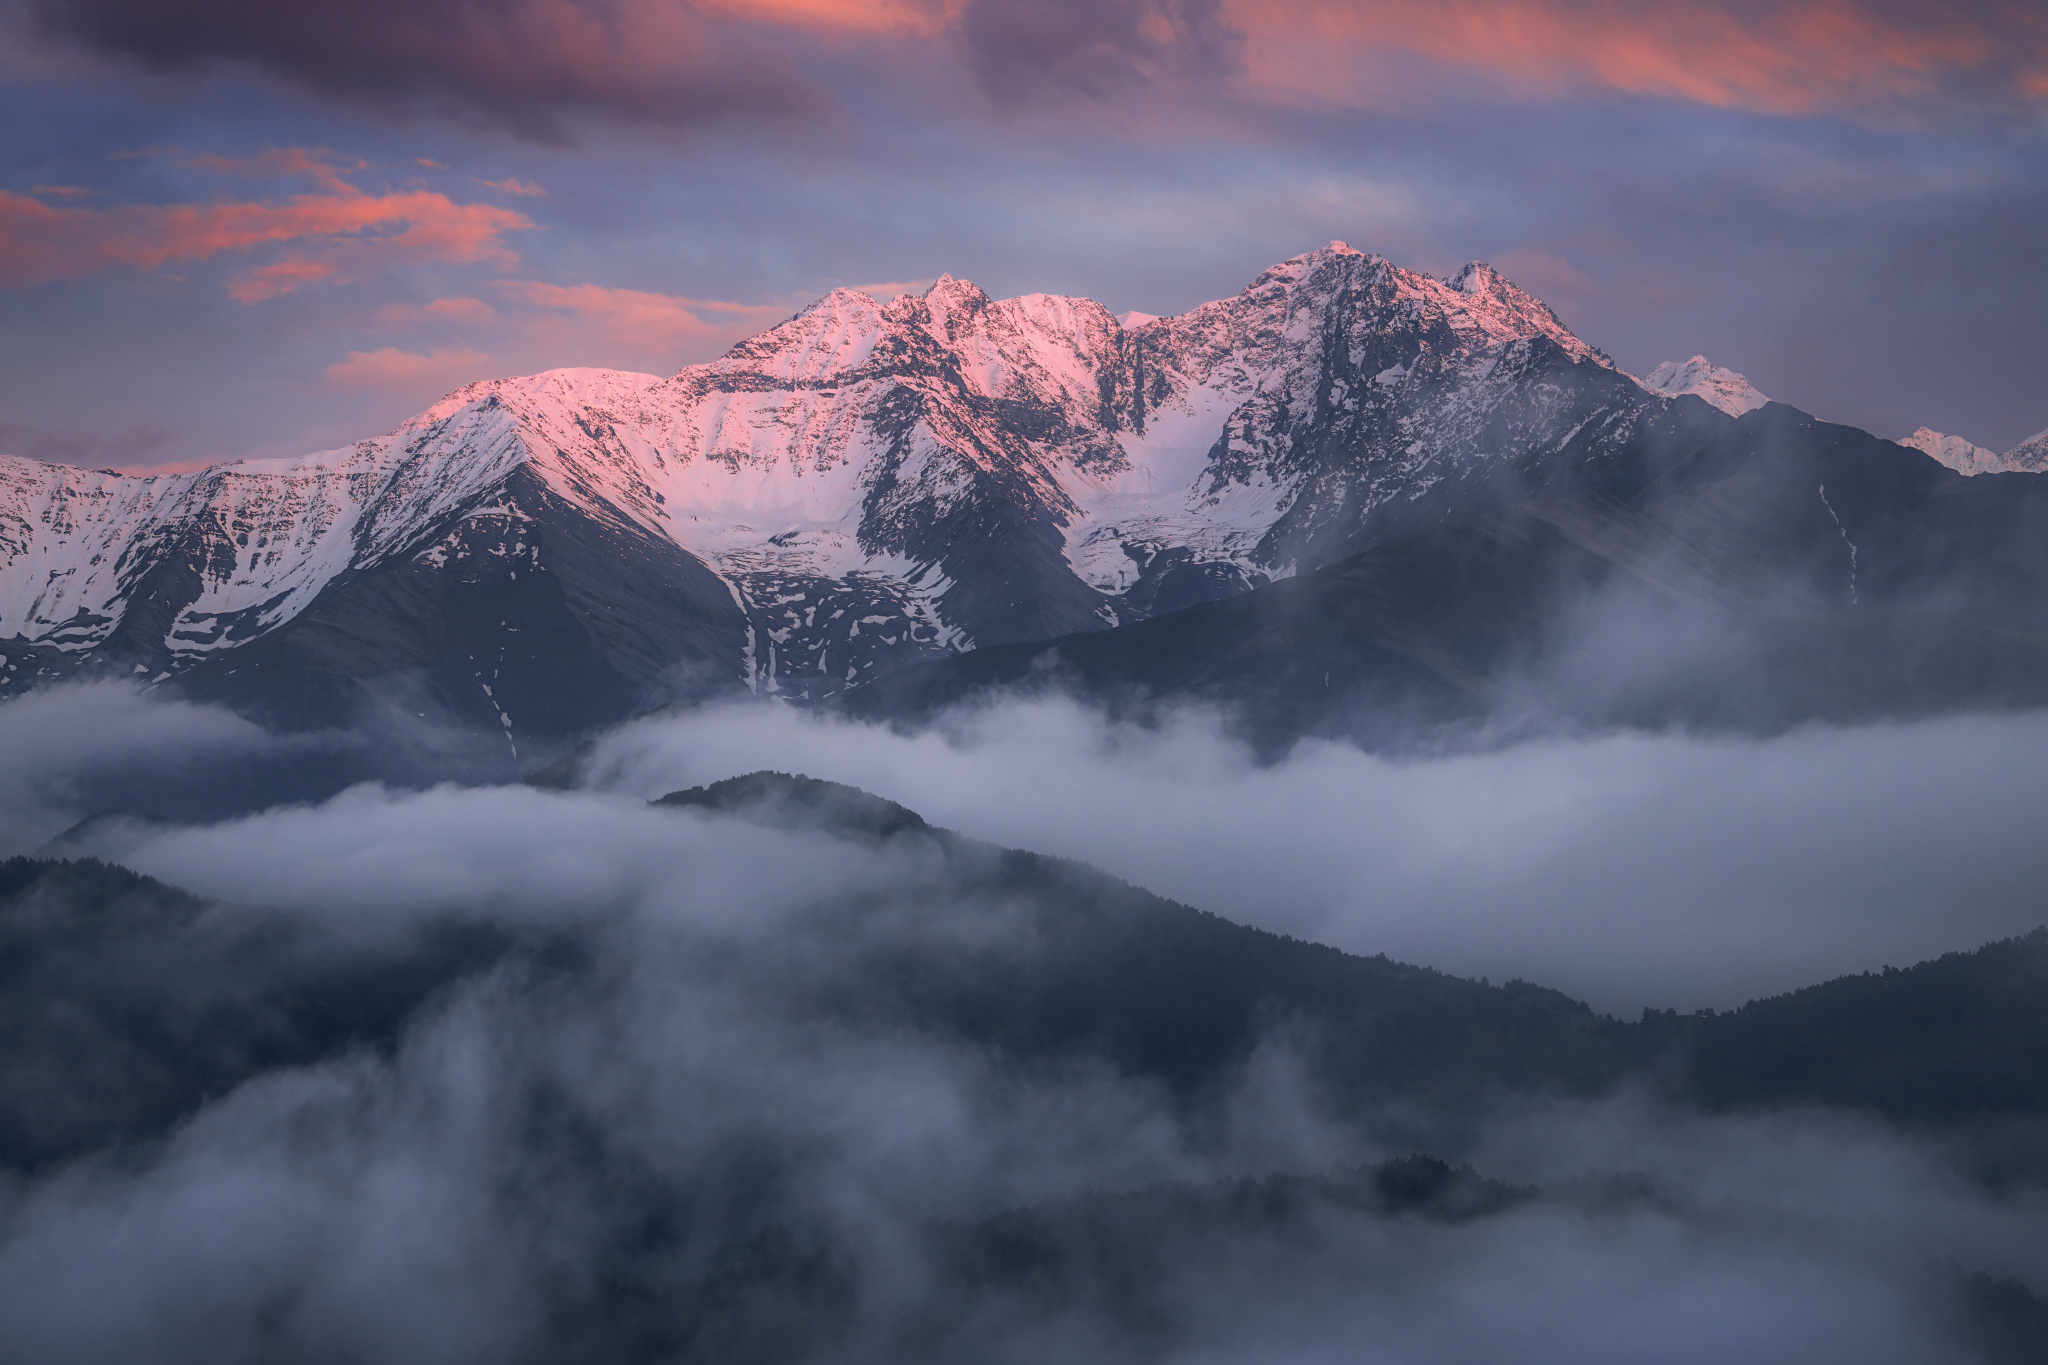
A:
1959, 454
2029, 456
1966, 457
795, 801
864, 484
1723, 388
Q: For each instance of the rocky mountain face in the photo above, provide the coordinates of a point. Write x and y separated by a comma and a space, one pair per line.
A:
863, 487
1725, 576
2029, 456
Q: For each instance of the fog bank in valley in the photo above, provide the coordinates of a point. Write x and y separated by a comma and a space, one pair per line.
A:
676, 1130
1628, 868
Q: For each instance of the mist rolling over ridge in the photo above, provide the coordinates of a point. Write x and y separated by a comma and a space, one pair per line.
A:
794, 1075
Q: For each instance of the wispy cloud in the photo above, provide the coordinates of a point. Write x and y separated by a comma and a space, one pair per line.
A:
389, 368
639, 318
82, 448
333, 232
1772, 56
444, 312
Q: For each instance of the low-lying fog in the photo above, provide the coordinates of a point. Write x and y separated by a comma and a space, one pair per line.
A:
1628, 869
538, 1160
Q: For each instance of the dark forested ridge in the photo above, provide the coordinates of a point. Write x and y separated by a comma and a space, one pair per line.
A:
125, 1003
128, 1007
148, 999
1965, 1034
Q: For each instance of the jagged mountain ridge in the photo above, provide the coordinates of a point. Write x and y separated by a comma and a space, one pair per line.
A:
1723, 388
1743, 577
1957, 452
871, 482
1966, 457
861, 487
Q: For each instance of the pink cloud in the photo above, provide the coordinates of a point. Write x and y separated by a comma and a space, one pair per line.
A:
334, 232
388, 369
1776, 56
282, 162
280, 277
654, 322
513, 185
1772, 56
453, 311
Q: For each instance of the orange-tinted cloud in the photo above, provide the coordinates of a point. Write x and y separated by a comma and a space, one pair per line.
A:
1775, 56
334, 232
1779, 56
542, 66
924, 17
652, 322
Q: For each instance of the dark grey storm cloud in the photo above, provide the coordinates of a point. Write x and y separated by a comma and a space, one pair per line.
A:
527, 65
1034, 50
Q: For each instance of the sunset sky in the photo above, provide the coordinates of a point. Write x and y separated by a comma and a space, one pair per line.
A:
240, 227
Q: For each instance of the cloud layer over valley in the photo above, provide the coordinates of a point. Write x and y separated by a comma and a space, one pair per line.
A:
1630, 868
673, 1086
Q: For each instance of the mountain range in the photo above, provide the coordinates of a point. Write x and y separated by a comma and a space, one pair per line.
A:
1966, 457
901, 488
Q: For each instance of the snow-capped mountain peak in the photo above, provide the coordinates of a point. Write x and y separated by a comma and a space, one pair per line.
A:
1966, 457
2029, 456
1963, 456
941, 469
1724, 388
1506, 309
